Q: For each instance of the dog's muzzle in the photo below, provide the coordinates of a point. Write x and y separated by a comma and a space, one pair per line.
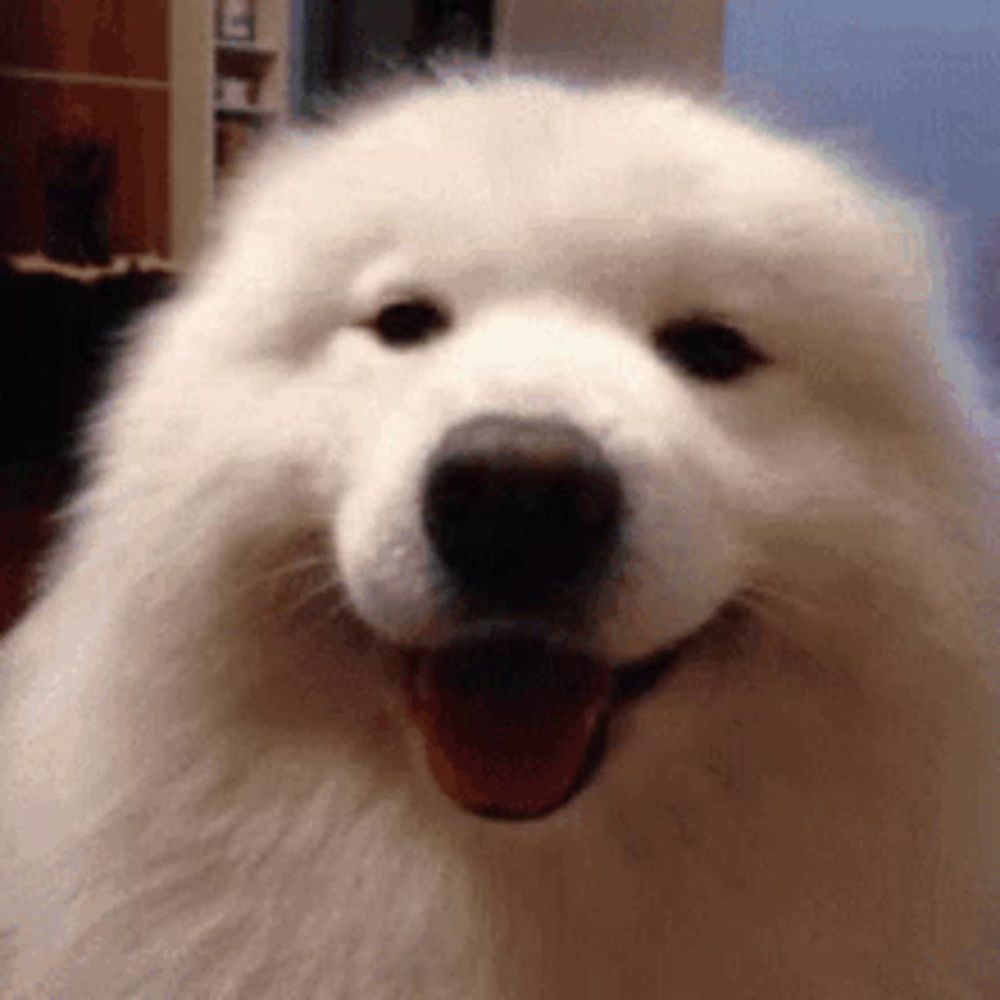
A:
522, 517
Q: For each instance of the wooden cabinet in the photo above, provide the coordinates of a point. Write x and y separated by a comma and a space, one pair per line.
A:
113, 111
85, 100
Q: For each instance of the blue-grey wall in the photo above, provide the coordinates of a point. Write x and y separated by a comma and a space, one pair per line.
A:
911, 84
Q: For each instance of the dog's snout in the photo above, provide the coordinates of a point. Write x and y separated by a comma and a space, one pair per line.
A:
518, 510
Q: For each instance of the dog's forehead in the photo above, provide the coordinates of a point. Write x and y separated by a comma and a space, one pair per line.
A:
551, 146
627, 195
506, 161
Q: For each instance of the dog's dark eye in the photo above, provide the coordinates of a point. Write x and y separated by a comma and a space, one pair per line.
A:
409, 322
708, 349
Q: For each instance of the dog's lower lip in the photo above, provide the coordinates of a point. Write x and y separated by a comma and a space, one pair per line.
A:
634, 680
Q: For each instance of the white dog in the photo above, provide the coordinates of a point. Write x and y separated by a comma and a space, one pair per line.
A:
542, 554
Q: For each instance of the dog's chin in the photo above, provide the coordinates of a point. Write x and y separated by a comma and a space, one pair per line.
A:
514, 721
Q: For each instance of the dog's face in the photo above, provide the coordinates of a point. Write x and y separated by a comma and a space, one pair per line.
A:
573, 374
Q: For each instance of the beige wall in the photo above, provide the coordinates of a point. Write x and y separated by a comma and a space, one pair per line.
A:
663, 39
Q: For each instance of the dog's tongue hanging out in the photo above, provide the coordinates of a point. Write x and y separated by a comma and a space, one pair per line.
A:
509, 721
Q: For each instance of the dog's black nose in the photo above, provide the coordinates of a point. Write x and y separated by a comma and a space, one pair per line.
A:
518, 510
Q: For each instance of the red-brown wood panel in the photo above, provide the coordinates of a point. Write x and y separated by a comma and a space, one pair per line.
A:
115, 37
134, 120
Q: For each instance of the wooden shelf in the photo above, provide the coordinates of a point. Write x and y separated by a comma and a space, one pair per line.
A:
246, 110
69, 78
225, 46
213, 126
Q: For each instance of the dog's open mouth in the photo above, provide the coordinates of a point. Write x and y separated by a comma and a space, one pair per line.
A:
513, 723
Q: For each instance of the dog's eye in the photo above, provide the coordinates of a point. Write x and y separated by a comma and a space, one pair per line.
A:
409, 322
708, 349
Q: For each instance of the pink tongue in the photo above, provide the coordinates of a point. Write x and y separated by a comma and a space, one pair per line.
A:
507, 721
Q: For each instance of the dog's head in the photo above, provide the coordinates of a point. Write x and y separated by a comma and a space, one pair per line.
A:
569, 376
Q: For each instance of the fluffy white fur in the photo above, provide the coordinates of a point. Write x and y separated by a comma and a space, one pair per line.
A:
209, 785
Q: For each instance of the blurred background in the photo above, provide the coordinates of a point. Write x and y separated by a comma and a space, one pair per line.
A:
120, 121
